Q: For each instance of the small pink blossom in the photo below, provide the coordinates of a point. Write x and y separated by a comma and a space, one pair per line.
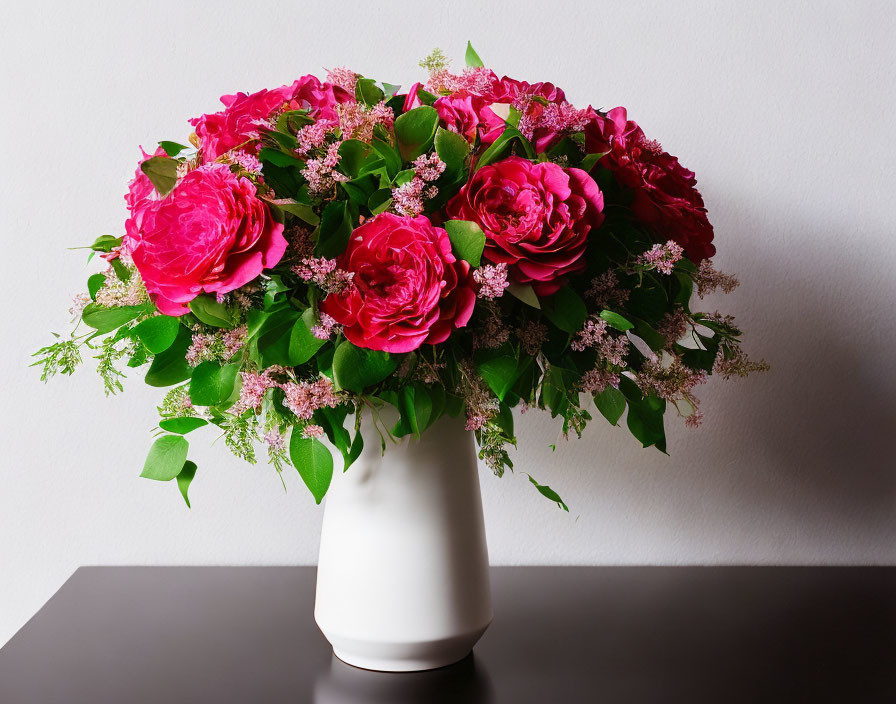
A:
605, 290
429, 168
312, 431
614, 349
275, 439
343, 77
303, 398
532, 336
596, 380
325, 274
357, 121
492, 280
78, 304
491, 333
314, 136
590, 335
321, 174
324, 329
709, 279
662, 257
252, 391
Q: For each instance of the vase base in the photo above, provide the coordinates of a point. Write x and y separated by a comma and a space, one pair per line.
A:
405, 657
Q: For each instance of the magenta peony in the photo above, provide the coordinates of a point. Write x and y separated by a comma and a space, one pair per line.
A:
665, 193
243, 114
469, 115
210, 234
536, 218
409, 288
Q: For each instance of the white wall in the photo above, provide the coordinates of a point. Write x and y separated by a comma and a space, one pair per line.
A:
784, 110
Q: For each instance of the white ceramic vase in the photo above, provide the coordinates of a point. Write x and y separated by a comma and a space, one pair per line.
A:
402, 581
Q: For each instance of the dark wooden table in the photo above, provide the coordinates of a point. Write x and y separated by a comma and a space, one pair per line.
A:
561, 634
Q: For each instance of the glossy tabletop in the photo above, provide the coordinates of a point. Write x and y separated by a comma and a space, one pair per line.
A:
560, 634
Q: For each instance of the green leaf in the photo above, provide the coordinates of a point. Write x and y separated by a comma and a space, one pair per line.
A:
645, 415
105, 320
416, 407
616, 321
162, 172
185, 478
182, 426
549, 493
589, 160
275, 335
314, 463
335, 229
524, 293
302, 344
172, 148
453, 149
367, 92
565, 309
301, 210
166, 458
648, 333
170, 367
467, 240
278, 158
158, 333
685, 288
94, 284
611, 404
502, 147
390, 156
354, 452
472, 58
105, 243
121, 271
212, 383
356, 368
354, 155
498, 368
380, 201
415, 130
210, 312
391, 89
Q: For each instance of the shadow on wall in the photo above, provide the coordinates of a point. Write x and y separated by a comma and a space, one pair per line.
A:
795, 457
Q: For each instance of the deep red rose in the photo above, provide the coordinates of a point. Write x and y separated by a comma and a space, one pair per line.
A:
409, 288
536, 218
665, 193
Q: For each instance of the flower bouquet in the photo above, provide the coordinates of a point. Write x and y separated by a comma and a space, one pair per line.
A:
474, 244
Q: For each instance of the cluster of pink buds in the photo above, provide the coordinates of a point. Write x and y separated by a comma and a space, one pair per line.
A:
245, 160
275, 439
114, 292
304, 397
661, 257
321, 174
532, 336
674, 325
312, 431
596, 380
492, 280
481, 404
343, 77
673, 381
314, 136
590, 335
491, 333
356, 121
709, 279
325, 274
605, 291
408, 199
325, 327
207, 347
476, 80
560, 118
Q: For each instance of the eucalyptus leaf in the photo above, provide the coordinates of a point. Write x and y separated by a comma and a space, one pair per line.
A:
212, 383
158, 333
565, 309
182, 426
162, 173
105, 320
467, 240
170, 367
549, 493
472, 58
211, 312
415, 131
166, 458
185, 478
356, 368
616, 321
314, 463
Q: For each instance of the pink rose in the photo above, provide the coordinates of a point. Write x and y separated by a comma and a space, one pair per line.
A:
243, 114
210, 234
412, 99
665, 193
469, 114
509, 90
409, 289
536, 218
